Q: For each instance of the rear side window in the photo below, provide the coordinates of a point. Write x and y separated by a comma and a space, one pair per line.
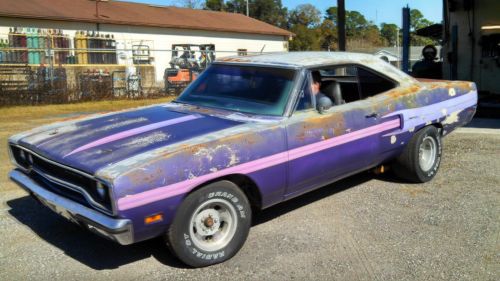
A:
371, 84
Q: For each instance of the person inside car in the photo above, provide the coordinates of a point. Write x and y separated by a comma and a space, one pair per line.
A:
319, 99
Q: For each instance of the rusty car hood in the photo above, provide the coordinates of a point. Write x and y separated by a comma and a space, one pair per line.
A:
93, 143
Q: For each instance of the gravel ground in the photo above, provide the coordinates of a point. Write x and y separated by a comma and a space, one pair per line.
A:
362, 228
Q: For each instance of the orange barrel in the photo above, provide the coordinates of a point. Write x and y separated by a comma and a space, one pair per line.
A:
84, 44
78, 47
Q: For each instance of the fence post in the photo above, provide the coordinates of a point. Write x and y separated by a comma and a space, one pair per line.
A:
51, 60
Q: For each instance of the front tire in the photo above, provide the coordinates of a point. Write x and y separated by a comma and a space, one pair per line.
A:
211, 225
421, 158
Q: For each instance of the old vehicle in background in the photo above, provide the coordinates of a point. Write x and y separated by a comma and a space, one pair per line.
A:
188, 60
245, 135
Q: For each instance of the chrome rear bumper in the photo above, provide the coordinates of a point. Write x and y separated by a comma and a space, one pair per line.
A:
118, 230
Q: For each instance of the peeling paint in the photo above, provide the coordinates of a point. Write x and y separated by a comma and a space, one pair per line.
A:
47, 134
146, 140
452, 118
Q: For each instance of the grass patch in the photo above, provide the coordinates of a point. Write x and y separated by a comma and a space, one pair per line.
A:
48, 111
16, 119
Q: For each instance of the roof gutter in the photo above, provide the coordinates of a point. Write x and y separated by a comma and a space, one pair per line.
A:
104, 21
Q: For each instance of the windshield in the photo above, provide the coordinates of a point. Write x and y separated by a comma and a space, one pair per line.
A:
247, 89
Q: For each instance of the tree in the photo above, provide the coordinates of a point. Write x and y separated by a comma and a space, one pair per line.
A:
389, 31
237, 6
306, 39
371, 34
192, 4
355, 23
331, 14
214, 5
306, 15
417, 20
270, 11
328, 35
304, 21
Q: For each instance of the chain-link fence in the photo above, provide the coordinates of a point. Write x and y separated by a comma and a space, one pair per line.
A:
47, 66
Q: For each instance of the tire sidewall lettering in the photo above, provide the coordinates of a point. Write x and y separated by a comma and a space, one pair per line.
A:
233, 199
229, 197
200, 254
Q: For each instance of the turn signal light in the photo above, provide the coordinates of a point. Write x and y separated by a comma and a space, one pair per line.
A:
153, 218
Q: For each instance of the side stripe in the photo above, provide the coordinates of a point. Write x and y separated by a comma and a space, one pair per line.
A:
133, 132
414, 117
178, 188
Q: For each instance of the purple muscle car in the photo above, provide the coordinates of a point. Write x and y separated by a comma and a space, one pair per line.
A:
249, 133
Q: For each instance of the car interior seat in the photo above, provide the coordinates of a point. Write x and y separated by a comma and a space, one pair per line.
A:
332, 90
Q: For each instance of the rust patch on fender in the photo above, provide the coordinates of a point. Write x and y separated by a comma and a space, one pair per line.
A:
316, 126
397, 93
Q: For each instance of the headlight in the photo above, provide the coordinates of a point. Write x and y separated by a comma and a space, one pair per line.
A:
19, 157
101, 190
11, 155
22, 154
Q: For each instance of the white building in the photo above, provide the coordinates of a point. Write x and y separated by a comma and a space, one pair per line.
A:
157, 27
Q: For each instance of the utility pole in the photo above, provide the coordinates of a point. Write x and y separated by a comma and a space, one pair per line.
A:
341, 24
247, 9
397, 48
406, 39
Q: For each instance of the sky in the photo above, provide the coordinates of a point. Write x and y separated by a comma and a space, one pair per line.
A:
378, 11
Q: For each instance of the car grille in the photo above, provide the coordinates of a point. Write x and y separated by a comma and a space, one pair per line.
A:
64, 181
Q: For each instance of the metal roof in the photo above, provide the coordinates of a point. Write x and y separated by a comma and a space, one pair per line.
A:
136, 14
312, 59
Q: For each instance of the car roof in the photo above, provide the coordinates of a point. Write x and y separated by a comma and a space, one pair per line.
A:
313, 59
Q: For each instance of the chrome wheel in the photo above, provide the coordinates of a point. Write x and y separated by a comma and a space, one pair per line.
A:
427, 153
213, 224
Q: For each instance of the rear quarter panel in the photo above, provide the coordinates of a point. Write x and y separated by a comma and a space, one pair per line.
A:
445, 104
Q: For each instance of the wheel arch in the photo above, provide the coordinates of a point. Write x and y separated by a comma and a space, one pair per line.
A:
438, 126
244, 182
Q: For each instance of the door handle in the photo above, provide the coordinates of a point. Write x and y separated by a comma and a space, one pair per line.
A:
372, 115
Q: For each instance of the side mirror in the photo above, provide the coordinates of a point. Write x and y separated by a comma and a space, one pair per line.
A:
323, 105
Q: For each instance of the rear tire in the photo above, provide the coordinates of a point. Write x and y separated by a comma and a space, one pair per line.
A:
421, 157
211, 225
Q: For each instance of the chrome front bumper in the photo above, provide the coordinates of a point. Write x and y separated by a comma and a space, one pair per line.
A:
118, 230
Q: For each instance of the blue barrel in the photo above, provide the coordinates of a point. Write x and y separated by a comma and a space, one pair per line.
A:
42, 44
34, 43
29, 44
1, 51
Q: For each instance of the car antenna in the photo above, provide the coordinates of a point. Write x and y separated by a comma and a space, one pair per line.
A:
262, 50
